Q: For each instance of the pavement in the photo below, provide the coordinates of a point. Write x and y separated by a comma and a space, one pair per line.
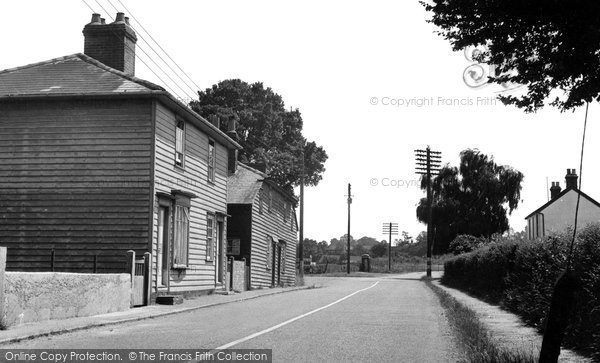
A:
507, 329
53, 327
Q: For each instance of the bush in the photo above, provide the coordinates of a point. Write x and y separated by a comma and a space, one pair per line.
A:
520, 276
466, 243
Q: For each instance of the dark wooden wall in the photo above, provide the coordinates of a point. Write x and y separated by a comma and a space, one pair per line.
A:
74, 177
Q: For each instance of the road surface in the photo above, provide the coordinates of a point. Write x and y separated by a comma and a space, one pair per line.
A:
376, 319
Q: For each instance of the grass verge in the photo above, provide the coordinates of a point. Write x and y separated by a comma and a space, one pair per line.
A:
472, 335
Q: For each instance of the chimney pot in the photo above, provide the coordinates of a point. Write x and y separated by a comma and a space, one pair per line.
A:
120, 18
571, 179
127, 20
102, 21
555, 190
95, 18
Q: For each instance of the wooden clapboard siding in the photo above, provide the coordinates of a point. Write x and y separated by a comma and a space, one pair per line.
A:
271, 224
211, 197
74, 177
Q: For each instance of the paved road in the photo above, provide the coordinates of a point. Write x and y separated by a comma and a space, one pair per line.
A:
388, 319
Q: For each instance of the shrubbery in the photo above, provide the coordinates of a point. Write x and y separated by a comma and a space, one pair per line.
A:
466, 243
520, 276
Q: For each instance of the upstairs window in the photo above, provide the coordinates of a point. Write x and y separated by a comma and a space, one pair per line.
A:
211, 161
179, 143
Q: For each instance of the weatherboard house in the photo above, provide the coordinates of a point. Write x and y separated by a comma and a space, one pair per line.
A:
559, 213
96, 162
262, 227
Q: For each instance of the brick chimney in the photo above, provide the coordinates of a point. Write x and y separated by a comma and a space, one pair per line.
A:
112, 44
555, 190
571, 179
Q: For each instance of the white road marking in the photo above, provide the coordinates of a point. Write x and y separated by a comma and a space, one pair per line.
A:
252, 336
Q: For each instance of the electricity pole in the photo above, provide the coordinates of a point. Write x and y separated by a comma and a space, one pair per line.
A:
390, 229
301, 229
348, 235
428, 164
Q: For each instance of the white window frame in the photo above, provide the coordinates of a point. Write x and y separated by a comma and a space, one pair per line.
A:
181, 240
179, 157
211, 229
211, 162
269, 263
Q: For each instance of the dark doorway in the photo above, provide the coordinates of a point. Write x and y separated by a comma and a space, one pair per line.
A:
273, 262
219, 261
278, 264
163, 244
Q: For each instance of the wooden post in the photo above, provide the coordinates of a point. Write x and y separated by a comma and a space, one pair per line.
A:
147, 277
3, 307
348, 237
131, 271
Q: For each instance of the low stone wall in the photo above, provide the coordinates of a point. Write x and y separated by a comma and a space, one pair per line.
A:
38, 296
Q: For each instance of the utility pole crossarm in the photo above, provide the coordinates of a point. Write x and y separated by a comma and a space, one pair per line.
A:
427, 164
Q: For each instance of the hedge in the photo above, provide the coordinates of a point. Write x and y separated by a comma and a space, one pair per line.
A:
520, 275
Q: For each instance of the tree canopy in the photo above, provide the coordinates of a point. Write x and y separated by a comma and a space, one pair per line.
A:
473, 198
550, 47
268, 132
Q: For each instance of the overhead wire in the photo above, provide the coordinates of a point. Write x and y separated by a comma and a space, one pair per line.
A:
158, 44
194, 91
571, 247
152, 60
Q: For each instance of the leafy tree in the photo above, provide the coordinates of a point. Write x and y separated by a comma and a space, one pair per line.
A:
544, 45
406, 239
268, 132
418, 248
472, 199
380, 249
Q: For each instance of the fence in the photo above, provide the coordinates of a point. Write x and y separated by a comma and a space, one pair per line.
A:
66, 260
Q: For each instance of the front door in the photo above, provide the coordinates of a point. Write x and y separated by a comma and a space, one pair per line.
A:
278, 264
163, 245
219, 261
273, 262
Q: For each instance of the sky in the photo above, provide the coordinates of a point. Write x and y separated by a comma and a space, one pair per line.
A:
373, 82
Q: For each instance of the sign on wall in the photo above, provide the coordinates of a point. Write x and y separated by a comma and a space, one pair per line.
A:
233, 246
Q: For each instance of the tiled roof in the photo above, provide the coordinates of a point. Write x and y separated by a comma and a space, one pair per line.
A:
243, 186
74, 74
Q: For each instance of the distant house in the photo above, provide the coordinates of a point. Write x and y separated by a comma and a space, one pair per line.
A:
261, 227
559, 213
96, 162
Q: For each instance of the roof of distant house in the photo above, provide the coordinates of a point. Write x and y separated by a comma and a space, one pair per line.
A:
245, 183
78, 75
590, 199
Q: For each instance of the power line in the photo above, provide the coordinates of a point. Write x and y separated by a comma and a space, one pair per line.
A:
161, 48
194, 91
137, 55
147, 55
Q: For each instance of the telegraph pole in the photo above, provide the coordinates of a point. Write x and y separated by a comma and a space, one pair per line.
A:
301, 244
390, 228
348, 235
428, 164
